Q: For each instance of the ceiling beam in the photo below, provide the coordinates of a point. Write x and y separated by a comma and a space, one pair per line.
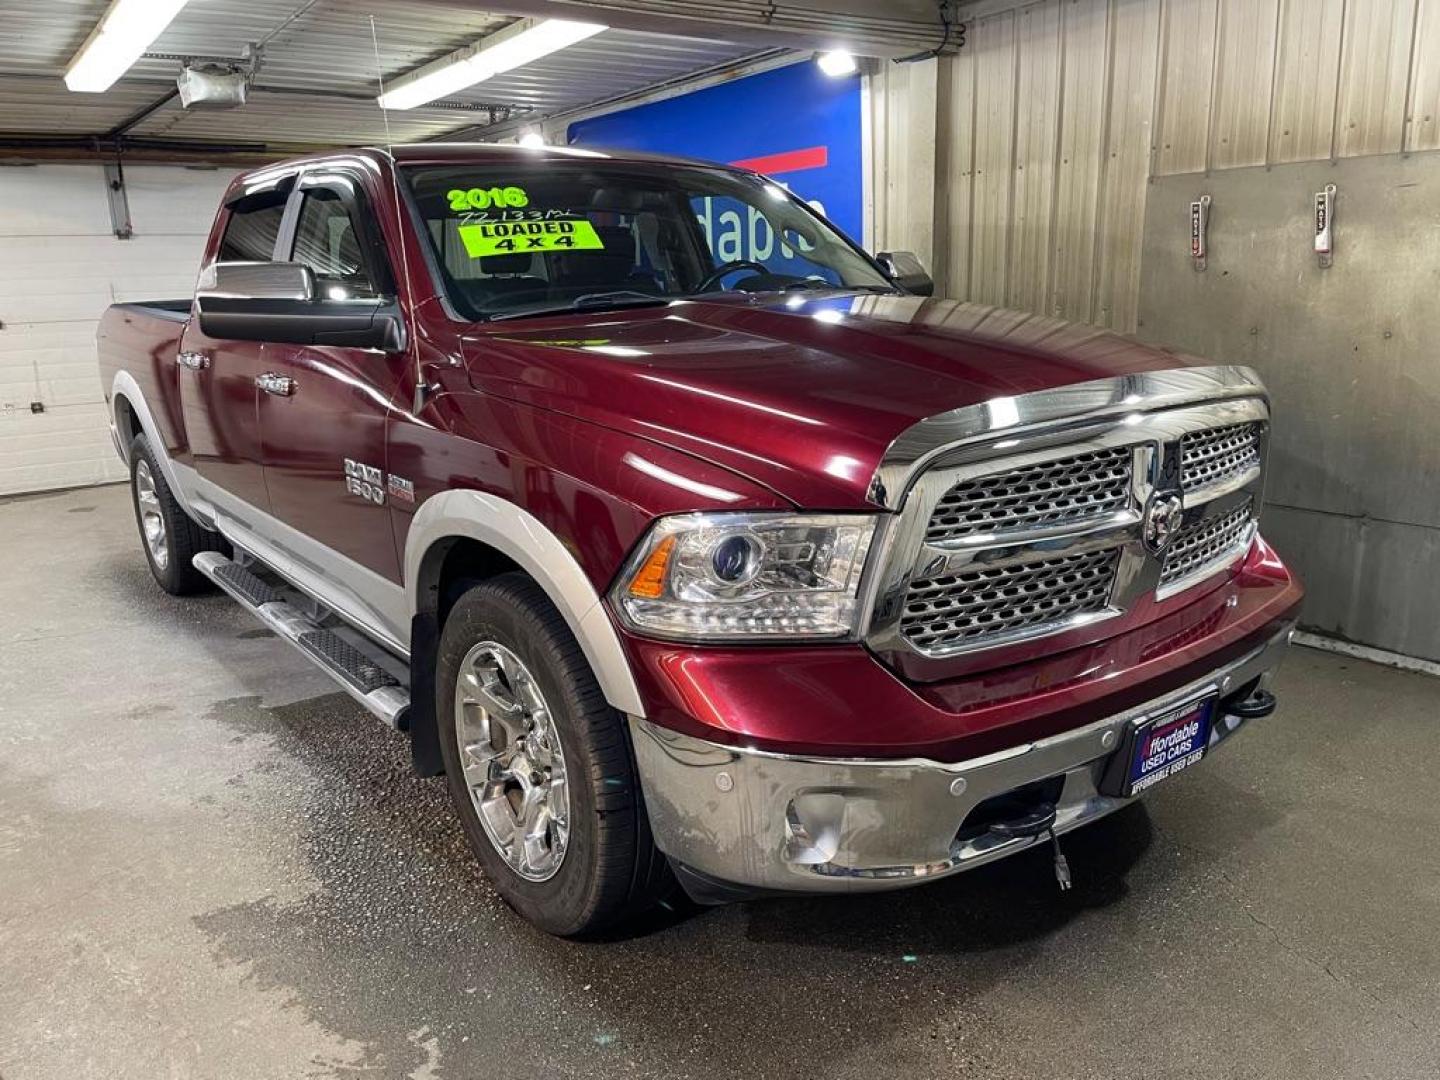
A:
25, 149
895, 29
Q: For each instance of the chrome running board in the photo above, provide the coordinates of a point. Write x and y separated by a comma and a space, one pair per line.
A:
357, 669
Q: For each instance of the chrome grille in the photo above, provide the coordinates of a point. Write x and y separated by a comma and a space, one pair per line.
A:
1063, 492
1206, 544
945, 612
1214, 456
1053, 540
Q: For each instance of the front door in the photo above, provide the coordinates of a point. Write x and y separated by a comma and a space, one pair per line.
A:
217, 378
323, 409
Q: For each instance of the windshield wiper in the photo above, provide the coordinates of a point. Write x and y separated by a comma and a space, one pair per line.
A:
596, 301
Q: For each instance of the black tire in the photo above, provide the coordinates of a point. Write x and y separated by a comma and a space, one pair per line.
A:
183, 537
611, 871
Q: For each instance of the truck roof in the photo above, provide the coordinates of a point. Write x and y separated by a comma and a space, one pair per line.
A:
440, 153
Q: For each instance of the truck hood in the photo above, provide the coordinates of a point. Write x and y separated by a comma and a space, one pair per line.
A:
801, 394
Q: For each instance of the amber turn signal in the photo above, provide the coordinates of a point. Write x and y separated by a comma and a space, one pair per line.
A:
649, 581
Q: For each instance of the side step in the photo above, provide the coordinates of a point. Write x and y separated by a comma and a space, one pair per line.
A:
359, 675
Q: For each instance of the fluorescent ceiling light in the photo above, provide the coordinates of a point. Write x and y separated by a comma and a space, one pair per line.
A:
836, 63
513, 47
532, 139
124, 32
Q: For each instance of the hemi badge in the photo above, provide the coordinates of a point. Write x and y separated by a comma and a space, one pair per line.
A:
400, 488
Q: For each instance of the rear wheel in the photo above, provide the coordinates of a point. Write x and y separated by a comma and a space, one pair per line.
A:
169, 537
539, 765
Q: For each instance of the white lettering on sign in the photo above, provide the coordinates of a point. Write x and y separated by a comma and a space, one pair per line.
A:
752, 237
1166, 770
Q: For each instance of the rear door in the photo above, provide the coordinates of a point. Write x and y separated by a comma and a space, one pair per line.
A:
323, 409
217, 378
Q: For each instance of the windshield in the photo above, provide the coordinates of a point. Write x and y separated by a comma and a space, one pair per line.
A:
572, 234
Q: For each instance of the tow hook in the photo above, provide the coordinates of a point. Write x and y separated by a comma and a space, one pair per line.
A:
1259, 703
1038, 821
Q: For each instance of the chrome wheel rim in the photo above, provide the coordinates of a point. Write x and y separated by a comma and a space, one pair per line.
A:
152, 525
512, 761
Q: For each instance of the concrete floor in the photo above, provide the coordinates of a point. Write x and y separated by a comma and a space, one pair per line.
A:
213, 866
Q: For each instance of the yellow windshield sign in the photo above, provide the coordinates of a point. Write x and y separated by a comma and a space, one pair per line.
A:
487, 238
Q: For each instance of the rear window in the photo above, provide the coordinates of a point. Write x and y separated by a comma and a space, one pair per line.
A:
250, 235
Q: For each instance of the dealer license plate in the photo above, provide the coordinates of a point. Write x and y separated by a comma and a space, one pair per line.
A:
1169, 744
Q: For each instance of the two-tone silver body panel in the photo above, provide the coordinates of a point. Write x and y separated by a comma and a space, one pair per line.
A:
378, 607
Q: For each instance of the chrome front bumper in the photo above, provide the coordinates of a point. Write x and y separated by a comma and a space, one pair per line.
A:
795, 824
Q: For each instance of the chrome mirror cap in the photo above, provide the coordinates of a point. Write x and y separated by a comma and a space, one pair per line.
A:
256, 281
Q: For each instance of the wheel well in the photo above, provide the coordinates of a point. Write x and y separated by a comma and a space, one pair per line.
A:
453, 565
126, 422
447, 569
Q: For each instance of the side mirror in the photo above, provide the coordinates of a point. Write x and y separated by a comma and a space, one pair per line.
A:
906, 271
276, 302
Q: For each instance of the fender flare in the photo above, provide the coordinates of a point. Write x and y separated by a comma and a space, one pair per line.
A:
125, 386
525, 540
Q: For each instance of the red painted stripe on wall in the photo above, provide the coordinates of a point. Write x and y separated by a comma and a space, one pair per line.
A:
813, 157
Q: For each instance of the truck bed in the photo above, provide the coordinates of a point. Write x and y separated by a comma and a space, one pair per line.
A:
169, 310
142, 339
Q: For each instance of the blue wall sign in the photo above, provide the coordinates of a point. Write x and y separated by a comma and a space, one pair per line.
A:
794, 124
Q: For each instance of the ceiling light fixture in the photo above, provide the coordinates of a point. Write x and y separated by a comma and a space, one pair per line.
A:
513, 47
124, 32
836, 63
533, 139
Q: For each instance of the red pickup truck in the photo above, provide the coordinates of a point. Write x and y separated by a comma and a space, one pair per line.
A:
690, 542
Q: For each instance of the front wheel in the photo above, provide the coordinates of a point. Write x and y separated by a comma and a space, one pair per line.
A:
539, 765
168, 535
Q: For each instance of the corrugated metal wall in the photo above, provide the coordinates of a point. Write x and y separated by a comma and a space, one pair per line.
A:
1040, 129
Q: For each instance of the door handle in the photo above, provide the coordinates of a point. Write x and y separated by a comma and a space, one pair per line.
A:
195, 361
279, 385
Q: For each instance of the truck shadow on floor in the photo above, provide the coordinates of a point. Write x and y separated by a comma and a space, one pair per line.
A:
402, 934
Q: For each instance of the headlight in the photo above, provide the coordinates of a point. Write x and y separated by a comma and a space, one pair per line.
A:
747, 577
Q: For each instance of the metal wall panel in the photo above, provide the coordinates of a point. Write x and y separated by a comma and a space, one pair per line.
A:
957, 170
1037, 118
1374, 77
1302, 122
1055, 114
1187, 72
994, 41
1086, 63
1133, 64
1244, 75
904, 119
1422, 121
1348, 355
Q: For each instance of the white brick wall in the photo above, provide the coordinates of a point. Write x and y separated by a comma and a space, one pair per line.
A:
60, 266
